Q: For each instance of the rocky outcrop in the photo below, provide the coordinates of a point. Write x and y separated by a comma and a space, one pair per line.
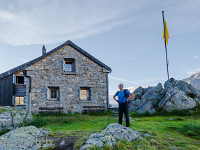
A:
113, 133
145, 98
175, 94
11, 117
30, 138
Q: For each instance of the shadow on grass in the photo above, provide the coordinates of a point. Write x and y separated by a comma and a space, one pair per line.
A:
191, 130
164, 113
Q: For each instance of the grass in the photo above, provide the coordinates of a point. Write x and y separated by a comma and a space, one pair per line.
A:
2, 109
195, 112
4, 131
167, 131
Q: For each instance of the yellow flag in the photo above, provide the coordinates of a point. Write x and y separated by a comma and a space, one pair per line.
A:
166, 32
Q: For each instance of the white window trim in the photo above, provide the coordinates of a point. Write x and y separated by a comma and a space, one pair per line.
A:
49, 94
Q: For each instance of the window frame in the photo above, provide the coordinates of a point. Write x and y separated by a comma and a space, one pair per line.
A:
73, 66
49, 93
24, 100
88, 93
69, 66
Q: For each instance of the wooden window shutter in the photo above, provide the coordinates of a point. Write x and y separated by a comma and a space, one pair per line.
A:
79, 93
64, 65
48, 93
90, 92
24, 99
74, 66
58, 94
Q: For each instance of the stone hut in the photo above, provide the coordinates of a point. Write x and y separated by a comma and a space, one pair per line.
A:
66, 77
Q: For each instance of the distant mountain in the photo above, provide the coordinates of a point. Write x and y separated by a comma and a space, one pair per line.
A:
194, 80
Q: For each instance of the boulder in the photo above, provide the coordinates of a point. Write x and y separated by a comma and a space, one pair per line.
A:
176, 99
179, 95
145, 102
113, 133
12, 117
99, 140
176, 94
30, 138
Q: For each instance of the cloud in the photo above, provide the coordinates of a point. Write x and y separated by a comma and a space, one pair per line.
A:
132, 88
193, 71
195, 57
190, 73
119, 79
145, 82
133, 58
21, 59
36, 22
183, 13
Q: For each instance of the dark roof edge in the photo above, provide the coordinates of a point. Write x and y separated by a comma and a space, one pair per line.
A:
89, 56
27, 64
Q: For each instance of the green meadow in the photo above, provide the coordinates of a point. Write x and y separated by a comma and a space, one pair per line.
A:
167, 131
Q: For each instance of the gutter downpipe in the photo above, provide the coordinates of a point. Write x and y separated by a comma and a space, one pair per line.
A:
107, 92
29, 96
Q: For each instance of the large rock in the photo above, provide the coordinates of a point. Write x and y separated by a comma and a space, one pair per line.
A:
145, 99
177, 95
12, 117
113, 133
30, 138
182, 86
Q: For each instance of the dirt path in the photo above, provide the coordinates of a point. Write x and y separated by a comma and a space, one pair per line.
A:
64, 143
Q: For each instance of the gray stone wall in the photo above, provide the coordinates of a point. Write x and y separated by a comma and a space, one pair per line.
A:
49, 72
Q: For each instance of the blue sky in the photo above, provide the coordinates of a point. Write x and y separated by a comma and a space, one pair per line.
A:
124, 34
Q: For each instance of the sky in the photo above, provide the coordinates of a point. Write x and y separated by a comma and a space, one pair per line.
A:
126, 35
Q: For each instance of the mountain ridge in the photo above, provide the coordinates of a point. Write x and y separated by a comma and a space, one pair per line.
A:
194, 80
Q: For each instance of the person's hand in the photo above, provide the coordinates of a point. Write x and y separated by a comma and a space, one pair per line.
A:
127, 99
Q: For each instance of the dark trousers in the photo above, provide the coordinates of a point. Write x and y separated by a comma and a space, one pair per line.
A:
123, 108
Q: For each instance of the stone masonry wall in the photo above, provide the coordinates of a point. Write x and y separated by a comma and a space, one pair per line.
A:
49, 72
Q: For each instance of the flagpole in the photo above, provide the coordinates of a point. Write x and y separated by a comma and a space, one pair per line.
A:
165, 45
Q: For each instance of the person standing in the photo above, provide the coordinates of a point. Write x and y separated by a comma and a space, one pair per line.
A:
123, 97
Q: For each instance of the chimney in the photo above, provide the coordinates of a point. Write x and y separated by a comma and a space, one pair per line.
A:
43, 50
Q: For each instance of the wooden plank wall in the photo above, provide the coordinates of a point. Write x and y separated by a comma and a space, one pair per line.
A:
6, 91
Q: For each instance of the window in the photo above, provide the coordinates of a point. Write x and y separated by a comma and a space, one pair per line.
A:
19, 100
53, 93
69, 65
20, 79
85, 93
